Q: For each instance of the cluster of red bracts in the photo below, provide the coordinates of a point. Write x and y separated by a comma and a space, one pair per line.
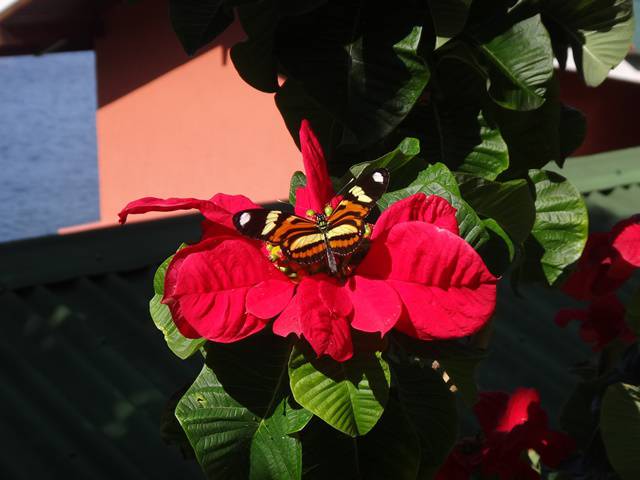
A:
511, 427
608, 260
417, 276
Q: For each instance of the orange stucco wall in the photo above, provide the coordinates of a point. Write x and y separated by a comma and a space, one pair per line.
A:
170, 126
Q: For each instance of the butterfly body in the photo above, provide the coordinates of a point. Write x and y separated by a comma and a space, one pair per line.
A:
323, 237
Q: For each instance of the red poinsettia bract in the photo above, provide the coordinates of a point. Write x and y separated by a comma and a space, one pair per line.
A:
600, 323
418, 275
511, 426
608, 260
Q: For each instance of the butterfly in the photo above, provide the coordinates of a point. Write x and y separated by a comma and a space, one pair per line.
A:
308, 241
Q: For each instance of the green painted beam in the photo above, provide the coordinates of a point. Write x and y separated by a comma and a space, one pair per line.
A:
602, 171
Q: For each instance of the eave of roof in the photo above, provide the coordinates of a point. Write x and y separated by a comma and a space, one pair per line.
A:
42, 26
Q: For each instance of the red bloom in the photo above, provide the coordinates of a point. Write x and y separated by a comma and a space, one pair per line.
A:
418, 274
607, 262
602, 322
511, 426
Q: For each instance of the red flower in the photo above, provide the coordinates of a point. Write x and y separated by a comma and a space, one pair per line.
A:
514, 424
511, 426
602, 322
607, 262
418, 275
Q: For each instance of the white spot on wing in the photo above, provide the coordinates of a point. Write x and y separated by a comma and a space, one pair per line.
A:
244, 219
378, 177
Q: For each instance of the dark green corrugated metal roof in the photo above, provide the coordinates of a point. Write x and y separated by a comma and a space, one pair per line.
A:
85, 374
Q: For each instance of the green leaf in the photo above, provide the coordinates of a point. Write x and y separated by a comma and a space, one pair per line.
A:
438, 180
254, 58
490, 157
237, 415
498, 252
632, 314
534, 137
298, 180
431, 408
620, 427
560, 229
578, 417
438, 173
294, 105
392, 161
180, 345
600, 33
449, 17
359, 61
458, 361
451, 126
350, 396
391, 450
198, 22
508, 203
573, 130
523, 63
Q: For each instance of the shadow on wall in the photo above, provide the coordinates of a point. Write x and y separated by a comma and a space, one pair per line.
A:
130, 31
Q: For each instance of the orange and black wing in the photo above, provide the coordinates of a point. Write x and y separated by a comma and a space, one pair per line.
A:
299, 238
347, 222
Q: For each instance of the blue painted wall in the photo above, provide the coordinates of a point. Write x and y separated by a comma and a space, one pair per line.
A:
48, 165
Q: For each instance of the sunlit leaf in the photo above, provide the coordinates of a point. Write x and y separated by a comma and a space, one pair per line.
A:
183, 347
350, 396
620, 427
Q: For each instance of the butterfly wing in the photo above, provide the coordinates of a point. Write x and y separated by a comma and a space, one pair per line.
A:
299, 238
347, 222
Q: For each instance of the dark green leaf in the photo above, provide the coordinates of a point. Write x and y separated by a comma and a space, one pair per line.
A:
359, 61
391, 450
350, 396
522, 58
237, 414
170, 429
573, 130
599, 32
450, 125
632, 314
456, 360
198, 22
438, 180
392, 161
431, 407
578, 417
533, 138
508, 203
255, 58
449, 17
181, 346
560, 230
620, 427
295, 105
498, 252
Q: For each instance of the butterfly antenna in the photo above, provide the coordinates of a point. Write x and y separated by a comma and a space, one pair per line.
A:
344, 187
